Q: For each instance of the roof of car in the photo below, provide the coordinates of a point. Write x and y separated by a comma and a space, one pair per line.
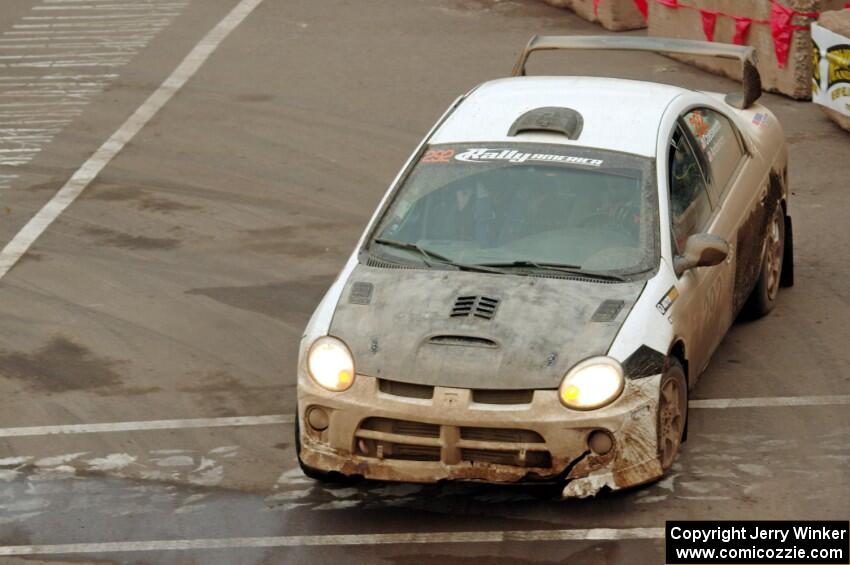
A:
618, 114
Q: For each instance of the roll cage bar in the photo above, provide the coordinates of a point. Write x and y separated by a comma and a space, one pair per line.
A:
745, 54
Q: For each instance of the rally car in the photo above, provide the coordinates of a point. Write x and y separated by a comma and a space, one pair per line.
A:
546, 279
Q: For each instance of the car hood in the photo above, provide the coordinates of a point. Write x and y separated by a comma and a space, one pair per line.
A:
440, 328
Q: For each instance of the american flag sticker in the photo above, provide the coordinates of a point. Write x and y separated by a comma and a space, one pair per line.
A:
760, 119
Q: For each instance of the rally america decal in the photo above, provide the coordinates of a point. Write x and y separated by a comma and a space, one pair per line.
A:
484, 155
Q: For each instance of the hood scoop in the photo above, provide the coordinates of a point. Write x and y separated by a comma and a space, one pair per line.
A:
463, 341
478, 306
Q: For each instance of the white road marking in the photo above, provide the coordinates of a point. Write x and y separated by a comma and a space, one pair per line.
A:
130, 16
148, 425
48, 78
29, 115
108, 37
22, 241
111, 26
272, 419
771, 402
68, 64
141, 6
6, 181
74, 33
69, 37
46, 55
105, 2
53, 84
128, 45
342, 540
22, 104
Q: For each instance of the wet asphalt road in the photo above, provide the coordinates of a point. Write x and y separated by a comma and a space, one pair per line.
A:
177, 287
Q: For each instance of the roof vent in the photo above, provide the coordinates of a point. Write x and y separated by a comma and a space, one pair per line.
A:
478, 306
551, 119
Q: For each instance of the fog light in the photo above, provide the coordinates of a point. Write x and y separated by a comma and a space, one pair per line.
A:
317, 418
600, 442
365, 446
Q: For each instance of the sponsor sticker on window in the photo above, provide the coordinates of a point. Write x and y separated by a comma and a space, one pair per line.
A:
485, 155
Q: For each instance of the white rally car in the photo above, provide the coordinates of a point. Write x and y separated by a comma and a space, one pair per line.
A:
546, 279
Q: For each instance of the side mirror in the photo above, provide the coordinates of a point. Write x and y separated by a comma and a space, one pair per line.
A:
701, 250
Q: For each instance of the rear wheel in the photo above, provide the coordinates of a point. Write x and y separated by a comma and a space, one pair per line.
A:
764, 295
672, 413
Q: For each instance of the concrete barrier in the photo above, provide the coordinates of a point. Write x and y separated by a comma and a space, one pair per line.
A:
793, 78
616, 15
836, 70
560, 3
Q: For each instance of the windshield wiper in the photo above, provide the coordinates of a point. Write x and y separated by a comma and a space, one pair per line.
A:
557, 267
434, 256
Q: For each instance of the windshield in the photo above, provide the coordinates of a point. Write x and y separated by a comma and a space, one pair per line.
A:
524, 205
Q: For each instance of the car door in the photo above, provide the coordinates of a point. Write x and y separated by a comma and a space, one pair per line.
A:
731, 178
701, 314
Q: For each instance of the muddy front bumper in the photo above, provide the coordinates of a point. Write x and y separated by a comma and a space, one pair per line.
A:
384, 431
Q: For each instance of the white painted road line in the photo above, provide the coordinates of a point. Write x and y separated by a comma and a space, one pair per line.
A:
148, 425
342, 540
81, 179
272, 419
771, 402
68, 49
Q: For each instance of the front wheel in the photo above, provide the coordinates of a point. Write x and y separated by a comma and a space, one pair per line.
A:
672, 413
763, 298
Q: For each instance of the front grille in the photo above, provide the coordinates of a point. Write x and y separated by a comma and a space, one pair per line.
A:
406, 390
478, 306
401, 427
388, 438
410, 452
504, 435
513, 458
484, 396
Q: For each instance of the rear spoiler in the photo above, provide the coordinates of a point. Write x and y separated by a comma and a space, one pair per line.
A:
745, 54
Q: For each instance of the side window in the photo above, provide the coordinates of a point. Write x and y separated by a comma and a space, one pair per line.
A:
690, 208
719, 142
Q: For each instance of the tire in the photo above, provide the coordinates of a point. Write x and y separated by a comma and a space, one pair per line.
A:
312, 473
788, 258
763, 298
672, 413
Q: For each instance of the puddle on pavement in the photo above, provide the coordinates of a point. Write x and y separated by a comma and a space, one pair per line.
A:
176, 494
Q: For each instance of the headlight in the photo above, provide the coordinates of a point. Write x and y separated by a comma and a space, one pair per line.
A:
330, 364
593, 383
